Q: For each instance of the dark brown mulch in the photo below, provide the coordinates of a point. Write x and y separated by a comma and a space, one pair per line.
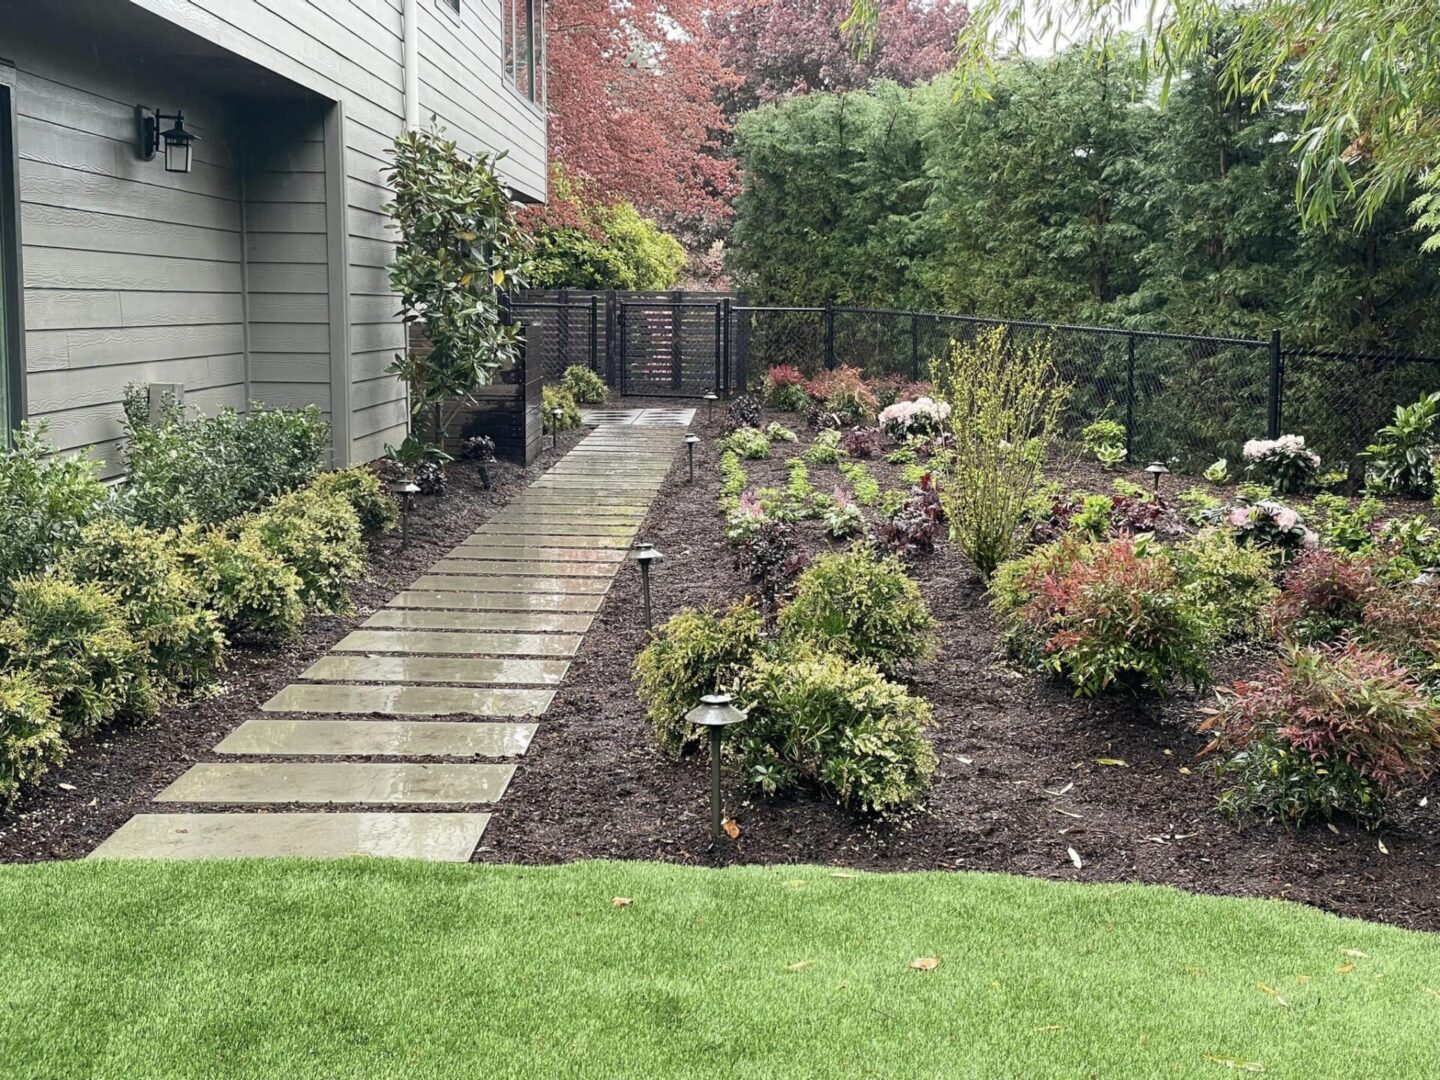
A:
116, 774
593, 786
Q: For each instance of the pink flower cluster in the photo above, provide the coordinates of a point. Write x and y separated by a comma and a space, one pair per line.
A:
1287, 446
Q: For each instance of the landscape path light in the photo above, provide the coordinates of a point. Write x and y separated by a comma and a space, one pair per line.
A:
555, 415
645, 554
716, 712
710, 400
406, 489
690, 440
1157, 469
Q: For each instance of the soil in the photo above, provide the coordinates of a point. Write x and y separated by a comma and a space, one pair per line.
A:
115, 774
1019, 783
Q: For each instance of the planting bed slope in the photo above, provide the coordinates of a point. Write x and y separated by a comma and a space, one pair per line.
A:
382, 969
594, 786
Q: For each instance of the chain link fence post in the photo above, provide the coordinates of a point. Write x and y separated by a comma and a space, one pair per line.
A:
1277, 382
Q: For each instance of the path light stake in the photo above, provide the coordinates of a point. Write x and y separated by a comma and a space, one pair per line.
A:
716, 712
555, 414
690, 440
710, 400
1157, 469
645, 554
406, 489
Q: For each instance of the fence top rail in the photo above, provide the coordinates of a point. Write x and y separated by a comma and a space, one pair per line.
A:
745, 309
1069, 328
1334, 354
666, 305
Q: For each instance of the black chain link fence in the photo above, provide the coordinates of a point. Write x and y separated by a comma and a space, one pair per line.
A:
1184, 398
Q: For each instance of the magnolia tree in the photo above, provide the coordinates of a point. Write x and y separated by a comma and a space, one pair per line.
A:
459, 246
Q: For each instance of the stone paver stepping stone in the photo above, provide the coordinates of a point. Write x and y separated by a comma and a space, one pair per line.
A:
538, 569
500, 540
582, 517
516, 621
457, 643
483, 601
570, 586
485, 549
337, 782
440, 837
408, 700
395, 738
472, 671
554, 529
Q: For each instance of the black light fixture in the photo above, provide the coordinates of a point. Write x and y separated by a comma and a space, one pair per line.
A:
716, 712
1157, 469
710, 400
690, 440
178, 142
645, 554
556, 414
406, 489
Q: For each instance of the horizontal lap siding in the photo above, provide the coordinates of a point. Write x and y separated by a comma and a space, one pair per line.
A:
132, 274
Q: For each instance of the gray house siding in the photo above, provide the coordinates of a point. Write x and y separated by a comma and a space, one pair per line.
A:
262, 273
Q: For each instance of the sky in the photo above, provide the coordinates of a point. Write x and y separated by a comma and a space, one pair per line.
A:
1135, 19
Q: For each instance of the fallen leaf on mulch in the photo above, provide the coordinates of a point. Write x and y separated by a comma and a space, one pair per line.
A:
1111, 761
1075, 858
925, 963
621, 901
799, 965
1383, 849
732, 830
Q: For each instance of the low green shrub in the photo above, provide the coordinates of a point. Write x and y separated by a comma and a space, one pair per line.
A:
45, 502
255, 593
1402, 457
1102, 439
1231, 585
30, 737
747, 442
784, 389
71, 637
732, 481
860, 606
211, 469
319, 537
367, 495
1329, 730
1345, 526
825, 449
778, 432
843, 519
1102, 615
586, 387
865, 486
822, 719
695, 652
163, 602
1199, 506
558, 397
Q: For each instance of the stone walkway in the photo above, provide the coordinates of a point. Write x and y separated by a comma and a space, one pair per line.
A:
486, 633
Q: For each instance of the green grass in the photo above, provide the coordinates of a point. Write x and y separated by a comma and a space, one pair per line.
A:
383, 969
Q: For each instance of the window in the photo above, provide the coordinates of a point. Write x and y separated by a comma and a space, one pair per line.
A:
525, 47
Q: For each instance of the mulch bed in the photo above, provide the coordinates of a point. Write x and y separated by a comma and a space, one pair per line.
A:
117, 773
593, 786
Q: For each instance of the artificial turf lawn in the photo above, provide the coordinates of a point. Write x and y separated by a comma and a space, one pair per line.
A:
391, 969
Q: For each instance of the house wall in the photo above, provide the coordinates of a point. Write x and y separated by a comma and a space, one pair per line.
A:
131, 274
351, 50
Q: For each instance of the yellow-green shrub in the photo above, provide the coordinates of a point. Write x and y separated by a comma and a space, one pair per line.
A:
366, 493
318, 536
71, 637
254, 592
30, 738
162, 600
553, 397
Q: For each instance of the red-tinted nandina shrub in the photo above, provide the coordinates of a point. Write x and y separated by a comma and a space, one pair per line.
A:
843, 392
1102, 615
785, 390
1405, 621
1322, 595
1334, 729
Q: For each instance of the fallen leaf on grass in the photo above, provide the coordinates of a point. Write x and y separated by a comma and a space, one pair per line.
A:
799, 965
1236, 1063
732, 830
621, 901
1075, 858
1356, 953
1273, 993
841, 874
925, 963
1194, 971
1050, 1027
1111, 761
1344, 969
1432, 992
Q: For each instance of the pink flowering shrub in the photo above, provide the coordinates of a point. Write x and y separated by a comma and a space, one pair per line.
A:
1283, 463
923, 416
1270, 524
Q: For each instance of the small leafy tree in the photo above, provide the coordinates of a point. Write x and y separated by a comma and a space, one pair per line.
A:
459, 244
1005, 403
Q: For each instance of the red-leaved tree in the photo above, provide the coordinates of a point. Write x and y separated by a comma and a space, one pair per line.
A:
634, 94
780, 47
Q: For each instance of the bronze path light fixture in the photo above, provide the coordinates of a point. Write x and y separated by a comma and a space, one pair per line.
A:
1157, 469
555, 414
406, 489
710, 400
645, 554
716, 712
178, 143
690, 440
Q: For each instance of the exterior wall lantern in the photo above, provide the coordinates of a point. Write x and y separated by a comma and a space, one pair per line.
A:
178, 142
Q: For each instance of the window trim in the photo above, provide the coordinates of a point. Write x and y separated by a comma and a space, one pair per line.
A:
534, 52
12, 294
